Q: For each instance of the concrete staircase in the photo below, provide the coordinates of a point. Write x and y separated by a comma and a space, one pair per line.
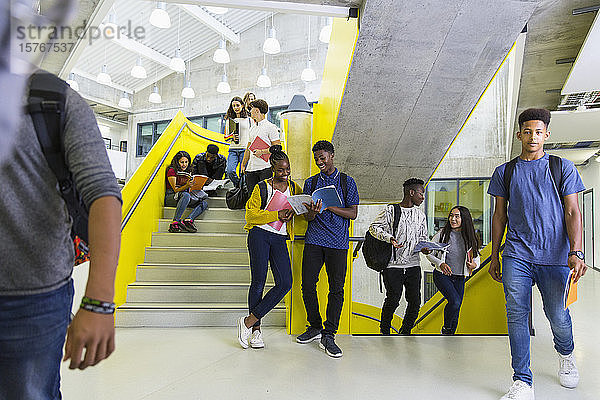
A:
195, 279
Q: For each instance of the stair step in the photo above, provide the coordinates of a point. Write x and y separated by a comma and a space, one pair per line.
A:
210, 214
189, 292
195, 273
169, 315
199, 255
199, 239
208, 226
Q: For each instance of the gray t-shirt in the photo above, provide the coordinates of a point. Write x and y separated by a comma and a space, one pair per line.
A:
457, 253
35, 243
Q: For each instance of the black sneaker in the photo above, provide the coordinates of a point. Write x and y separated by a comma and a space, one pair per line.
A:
328, 344
189, 226
310, 335
176, 227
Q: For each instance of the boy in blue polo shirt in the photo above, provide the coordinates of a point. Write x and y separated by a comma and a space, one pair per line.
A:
543, 245
326, 242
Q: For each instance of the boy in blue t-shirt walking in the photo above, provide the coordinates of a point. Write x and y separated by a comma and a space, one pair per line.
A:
326, 242
543, 246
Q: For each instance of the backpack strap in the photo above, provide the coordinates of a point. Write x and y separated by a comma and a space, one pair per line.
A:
508, 173
557, 176
262, 185
397, 214
292, 186
313, 183
344, 185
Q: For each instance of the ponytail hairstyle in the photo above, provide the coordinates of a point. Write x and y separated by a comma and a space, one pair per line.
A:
277, 154
179, 156
467, 230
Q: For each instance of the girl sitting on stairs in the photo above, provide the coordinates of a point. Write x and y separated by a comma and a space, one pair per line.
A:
177, 194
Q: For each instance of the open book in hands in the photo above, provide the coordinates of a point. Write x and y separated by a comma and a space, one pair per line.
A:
278, 202
197, 181
328, 196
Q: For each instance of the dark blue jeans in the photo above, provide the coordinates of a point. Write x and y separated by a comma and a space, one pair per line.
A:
518, 277
184, 200
267, 247
452, 288
32, 335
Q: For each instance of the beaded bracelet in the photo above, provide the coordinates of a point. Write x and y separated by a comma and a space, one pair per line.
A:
97, 306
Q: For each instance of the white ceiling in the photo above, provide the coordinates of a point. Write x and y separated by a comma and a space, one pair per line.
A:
574, 126
578, 156
195, 38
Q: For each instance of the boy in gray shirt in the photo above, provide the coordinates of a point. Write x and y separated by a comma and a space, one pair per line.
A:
36, 290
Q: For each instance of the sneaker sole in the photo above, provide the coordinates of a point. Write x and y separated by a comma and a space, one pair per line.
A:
242, 343
318, 337
328, 353
259, 346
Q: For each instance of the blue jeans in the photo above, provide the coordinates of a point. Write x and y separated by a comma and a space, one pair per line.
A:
182, 203
267, 248
518, 276
32, 335
452, 288
234, 159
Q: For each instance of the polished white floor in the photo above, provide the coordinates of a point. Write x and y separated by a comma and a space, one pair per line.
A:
204, 363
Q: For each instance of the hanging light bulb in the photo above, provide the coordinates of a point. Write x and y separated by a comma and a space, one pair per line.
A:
155, 96
124, 101
325, 34
188, 92
271, 45
217, 10
72, 82
177, 64
103, 77
160, 17
110, 27
263, 79
221, 55
308, 74
223, 86
138, 71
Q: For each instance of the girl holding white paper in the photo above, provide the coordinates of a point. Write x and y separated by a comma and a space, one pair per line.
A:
267, 221
456, 263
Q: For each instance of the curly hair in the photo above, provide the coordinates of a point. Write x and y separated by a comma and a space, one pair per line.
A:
534, 114
323, 145
412, 184
277, 154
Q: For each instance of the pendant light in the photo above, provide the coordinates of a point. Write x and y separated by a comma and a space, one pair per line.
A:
124, 101
217, 10
271, 45
155, 95
325, 34
138, 71
103, 77
221, 55
160, 17
308, 74
263, 80
72, 82
223, 86
177, 64
188, 92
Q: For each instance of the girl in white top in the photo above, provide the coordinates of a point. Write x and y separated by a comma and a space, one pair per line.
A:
455, 264
237, 126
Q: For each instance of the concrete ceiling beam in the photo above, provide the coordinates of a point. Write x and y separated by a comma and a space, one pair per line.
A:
217, 26
274, 6
91, 77
142, 50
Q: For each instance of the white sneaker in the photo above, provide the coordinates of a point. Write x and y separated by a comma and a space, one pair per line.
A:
519, 391
568, 375
256, 340
243, 333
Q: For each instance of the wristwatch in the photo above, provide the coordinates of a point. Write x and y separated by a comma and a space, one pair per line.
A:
578, 254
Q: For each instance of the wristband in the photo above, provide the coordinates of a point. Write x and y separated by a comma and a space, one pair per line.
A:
97, 306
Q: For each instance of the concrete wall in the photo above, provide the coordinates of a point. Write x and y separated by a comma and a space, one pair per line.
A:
284, 69
590, 174
114, 131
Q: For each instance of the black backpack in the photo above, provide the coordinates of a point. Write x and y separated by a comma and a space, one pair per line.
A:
46, 105
555, 171
378, 253
237, 197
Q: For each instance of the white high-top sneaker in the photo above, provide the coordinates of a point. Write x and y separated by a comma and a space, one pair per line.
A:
519, 391
568, 375
256, 340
